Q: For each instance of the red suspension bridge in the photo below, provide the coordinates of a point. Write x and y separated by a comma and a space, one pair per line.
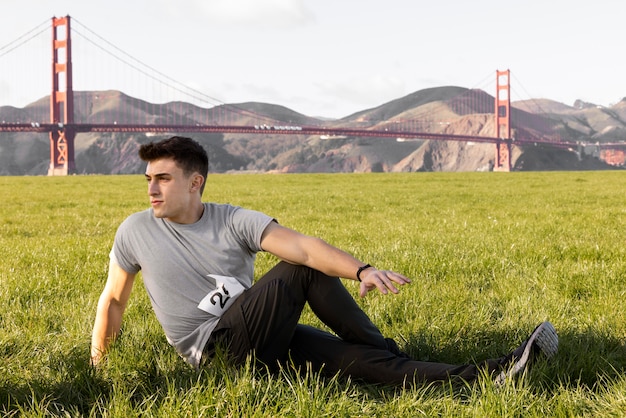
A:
73, 112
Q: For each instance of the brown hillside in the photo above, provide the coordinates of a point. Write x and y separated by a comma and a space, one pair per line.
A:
452, 110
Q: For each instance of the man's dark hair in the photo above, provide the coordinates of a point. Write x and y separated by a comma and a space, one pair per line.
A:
187, 153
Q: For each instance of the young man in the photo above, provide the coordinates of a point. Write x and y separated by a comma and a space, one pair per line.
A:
197, 262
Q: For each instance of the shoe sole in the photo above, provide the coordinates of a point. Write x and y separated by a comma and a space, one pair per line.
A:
543, 337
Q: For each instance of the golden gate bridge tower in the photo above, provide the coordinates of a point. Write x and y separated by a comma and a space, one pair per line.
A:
61, 100
503, 121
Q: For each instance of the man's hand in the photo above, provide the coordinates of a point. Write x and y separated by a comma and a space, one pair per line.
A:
384, 280
96, 357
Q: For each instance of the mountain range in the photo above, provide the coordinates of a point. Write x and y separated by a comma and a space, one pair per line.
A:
116, 153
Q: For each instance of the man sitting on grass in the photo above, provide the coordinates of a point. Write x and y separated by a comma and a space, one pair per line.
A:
197, 262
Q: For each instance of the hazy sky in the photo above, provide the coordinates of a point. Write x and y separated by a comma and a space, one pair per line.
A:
335, 57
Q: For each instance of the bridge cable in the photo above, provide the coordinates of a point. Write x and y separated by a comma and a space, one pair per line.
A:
10, 46
196, 94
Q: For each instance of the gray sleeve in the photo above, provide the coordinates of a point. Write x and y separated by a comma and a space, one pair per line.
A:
121, 252
250, 225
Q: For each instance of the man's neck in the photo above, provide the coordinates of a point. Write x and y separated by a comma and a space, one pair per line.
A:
192, 216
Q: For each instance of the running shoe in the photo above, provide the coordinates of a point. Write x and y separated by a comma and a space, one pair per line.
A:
543, 340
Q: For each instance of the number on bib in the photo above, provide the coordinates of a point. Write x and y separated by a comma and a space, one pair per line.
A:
220, 299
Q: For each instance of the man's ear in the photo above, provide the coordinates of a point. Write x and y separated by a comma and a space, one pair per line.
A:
197, 181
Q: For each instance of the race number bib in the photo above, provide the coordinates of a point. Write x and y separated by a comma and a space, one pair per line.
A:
217, 301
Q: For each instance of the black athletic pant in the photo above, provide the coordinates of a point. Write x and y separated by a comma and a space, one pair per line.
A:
264, 320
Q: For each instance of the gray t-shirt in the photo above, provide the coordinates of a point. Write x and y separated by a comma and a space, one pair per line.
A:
176, 259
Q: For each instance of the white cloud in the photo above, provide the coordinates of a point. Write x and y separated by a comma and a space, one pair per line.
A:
281, 13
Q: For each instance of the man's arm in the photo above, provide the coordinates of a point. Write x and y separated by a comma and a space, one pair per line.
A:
111, 306
296, 248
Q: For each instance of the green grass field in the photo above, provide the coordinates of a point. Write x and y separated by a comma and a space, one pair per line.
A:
490, 254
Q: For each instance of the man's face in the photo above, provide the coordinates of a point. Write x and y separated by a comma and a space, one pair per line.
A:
171, 192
